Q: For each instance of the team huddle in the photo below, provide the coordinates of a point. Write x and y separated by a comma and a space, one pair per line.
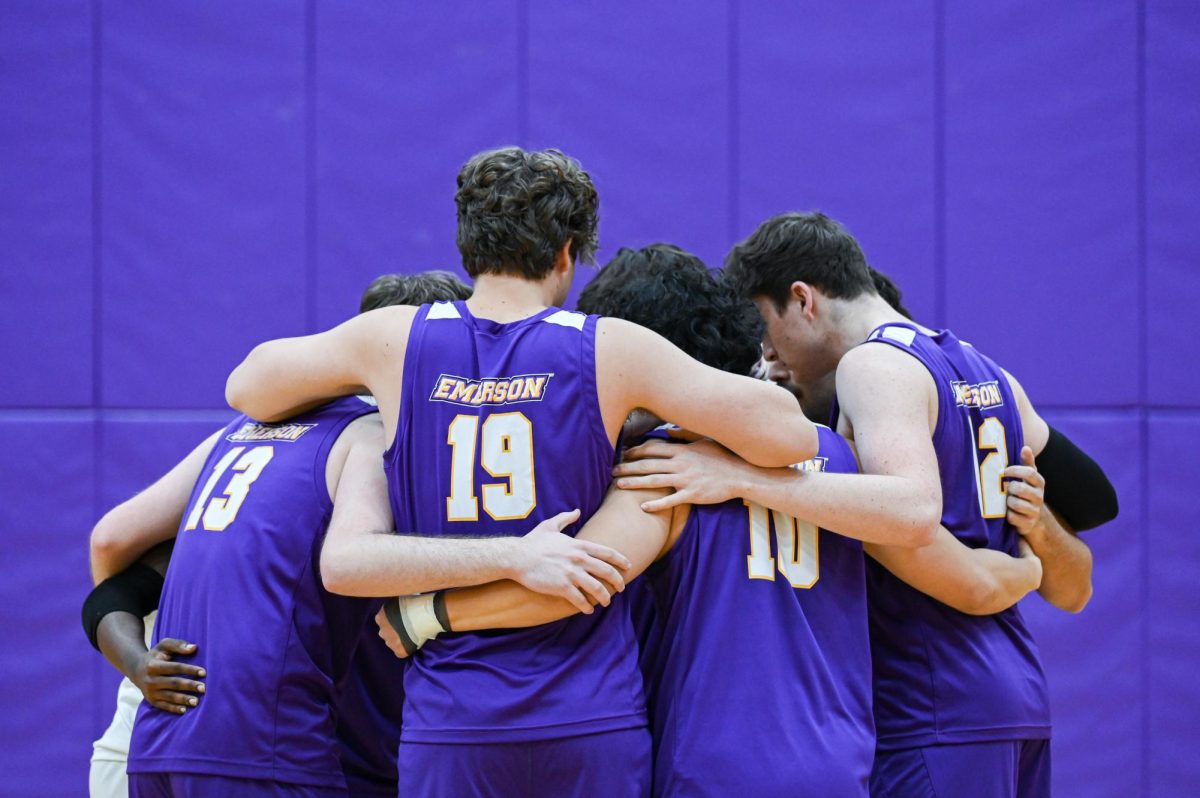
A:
709, 534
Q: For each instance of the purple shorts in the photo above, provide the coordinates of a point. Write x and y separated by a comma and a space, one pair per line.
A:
200, 785
613, 764
1009, 769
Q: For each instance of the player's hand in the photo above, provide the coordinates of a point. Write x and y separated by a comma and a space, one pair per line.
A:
700, 473
580, 571
1026, 493
389, 635
163, 681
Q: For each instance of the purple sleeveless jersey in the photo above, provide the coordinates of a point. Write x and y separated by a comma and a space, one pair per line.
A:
499, 429
942, 676
759, 663
244, 586
370, 703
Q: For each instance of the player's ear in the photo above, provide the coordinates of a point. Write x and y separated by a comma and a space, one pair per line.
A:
801, 294
562, 258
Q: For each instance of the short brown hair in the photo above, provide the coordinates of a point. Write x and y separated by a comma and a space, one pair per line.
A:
517, 209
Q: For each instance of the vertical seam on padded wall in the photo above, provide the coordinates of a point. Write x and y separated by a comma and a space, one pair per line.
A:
733, 75
523, 73
939, 163
310, 165
1143, 393
98, 702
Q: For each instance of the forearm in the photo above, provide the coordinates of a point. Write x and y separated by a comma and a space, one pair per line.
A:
869, 507
1066, 561
973, 581
385, 564
502, 605
122, 640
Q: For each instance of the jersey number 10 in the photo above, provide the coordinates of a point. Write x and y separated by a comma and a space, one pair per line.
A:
796, 548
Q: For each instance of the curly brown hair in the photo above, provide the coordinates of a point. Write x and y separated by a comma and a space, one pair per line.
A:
517, 209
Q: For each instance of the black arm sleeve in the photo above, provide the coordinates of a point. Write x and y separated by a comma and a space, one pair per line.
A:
1076, 486
135, 590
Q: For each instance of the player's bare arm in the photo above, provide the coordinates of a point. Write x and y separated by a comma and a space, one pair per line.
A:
897, 499
1066, 559
619, 522
130, 529
281, 378
363, 557
637, 368
974, 581
121, 637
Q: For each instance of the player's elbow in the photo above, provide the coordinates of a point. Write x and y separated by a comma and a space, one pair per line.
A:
240, 391
1075, 603
920, 528
336, 574
792, 440
105, 546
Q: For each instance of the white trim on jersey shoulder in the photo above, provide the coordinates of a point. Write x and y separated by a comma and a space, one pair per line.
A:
902, 335
443, 310
567, 318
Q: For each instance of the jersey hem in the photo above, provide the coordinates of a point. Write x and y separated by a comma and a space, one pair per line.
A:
525, 734
902, 742
242, 770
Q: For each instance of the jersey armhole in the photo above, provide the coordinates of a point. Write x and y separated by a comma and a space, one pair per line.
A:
591, 382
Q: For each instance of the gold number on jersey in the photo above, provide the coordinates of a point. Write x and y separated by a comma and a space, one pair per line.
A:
993, 497
798, 557
506, 453
219, 512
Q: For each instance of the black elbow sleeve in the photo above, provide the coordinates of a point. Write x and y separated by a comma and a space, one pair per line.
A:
1076, 486
135, 590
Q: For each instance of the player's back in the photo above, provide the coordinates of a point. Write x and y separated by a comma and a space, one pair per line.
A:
244, 586
942, 676
760, 667
499, 429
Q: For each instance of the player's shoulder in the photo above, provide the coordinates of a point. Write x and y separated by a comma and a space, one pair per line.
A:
366, 430
871, 361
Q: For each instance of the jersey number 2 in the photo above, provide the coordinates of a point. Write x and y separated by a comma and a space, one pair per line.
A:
993, 498
506, 452
796, 545
219, 512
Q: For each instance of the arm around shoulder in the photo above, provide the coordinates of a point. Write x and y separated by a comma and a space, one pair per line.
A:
759, 421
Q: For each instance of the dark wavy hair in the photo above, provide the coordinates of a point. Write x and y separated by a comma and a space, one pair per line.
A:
672, 292
412, 289
805, 247
517, 209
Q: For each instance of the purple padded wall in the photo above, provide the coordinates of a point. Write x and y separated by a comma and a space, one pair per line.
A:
183, 181
403, 98
1041, 178
202, 197
46, 204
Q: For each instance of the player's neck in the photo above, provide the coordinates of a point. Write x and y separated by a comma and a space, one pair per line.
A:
863, 314
506, 298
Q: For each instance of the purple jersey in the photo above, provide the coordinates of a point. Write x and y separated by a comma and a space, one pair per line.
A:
942, 676
499, 429
244, 586
759, 662
370, 703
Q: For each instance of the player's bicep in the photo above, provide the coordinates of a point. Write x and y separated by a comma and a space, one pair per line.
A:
360, 500
891, 426
621, 524
1034, 428
152, 516
759, 421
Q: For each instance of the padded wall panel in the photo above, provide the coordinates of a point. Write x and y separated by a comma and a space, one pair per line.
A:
46, 204
203, 196
640, 98
404, 97
835, 112
1174, 640
1093, 660
1172, 188
46, 513
1041, 212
